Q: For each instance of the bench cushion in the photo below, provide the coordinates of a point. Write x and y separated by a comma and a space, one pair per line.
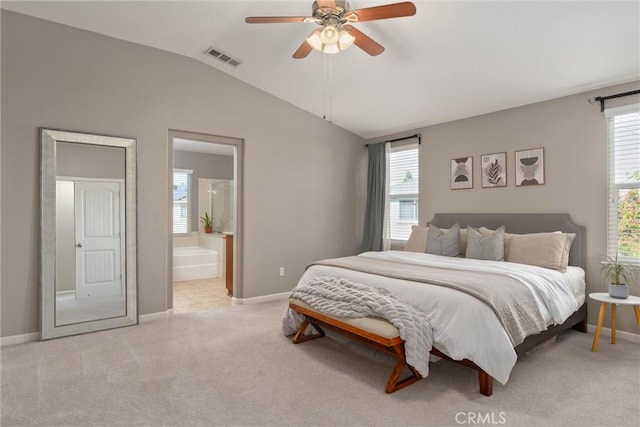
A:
372, 325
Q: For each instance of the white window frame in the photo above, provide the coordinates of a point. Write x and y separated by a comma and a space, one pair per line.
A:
614, 187
189, 203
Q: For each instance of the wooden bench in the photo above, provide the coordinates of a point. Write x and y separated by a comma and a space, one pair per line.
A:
379, 334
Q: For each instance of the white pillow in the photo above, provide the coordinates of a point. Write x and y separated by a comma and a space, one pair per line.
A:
417, 240
463, 241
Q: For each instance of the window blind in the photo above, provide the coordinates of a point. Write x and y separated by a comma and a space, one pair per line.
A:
403, 190
182, 201
624, 183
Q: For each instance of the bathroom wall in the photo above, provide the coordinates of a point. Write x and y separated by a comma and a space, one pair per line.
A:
203, 165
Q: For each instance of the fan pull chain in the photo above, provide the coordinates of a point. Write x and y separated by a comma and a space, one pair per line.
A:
324, 87
330, 87
328, 83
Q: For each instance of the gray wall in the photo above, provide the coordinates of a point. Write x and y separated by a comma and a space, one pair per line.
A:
65, 236
302, 193
574, 136
89, 161
204, 165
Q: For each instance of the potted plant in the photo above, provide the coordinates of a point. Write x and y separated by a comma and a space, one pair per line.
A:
618, 275
207, 221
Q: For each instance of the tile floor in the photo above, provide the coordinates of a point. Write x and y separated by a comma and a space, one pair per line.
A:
198, 295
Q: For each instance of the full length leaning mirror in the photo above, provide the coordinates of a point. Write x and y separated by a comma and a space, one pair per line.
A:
87, 233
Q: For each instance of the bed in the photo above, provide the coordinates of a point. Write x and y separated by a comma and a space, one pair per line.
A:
465, 329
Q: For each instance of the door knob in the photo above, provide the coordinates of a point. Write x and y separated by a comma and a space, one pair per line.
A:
78, 245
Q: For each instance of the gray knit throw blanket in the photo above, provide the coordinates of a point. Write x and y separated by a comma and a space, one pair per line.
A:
342, 298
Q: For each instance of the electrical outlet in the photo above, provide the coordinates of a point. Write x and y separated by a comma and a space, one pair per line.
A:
281, 271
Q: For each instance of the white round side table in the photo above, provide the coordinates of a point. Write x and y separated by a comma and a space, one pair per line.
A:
605, 299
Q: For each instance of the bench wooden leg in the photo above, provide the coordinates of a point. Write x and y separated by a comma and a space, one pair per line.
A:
300, 337
393, 384
486, 383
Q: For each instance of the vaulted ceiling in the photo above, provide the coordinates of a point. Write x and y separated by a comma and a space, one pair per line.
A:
453, 59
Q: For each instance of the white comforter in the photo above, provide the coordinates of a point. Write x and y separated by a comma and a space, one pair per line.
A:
463, 326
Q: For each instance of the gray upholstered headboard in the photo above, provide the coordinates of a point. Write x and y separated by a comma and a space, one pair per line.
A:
521, 224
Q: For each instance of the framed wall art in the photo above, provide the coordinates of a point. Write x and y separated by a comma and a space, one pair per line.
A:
494, 170
462, 173
530, 167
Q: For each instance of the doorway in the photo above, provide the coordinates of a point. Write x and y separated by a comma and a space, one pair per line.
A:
204, 221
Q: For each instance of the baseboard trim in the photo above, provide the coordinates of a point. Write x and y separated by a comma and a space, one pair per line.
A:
261, 299
145, 318
19, 339
606, 332
35, 336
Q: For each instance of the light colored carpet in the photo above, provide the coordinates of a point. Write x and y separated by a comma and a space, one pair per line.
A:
71, 310
232, 366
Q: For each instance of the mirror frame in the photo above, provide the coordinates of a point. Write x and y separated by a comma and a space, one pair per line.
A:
48, 172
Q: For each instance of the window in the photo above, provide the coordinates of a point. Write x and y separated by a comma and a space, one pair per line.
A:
408, 209
182, 201
403, 190
624, 183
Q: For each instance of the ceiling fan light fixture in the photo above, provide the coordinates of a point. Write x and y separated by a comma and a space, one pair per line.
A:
339, 42
329, 35
315, 41
345, 39
331, 48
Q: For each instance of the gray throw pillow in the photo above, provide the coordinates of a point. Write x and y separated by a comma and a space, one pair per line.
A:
488, 246
444, 243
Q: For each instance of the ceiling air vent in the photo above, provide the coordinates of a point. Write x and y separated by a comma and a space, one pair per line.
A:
222, 57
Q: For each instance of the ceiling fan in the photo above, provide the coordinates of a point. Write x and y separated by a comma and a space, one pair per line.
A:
336, 34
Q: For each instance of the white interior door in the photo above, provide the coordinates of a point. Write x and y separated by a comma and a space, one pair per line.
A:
99, 266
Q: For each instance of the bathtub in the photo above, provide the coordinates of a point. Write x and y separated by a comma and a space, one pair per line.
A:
192, 263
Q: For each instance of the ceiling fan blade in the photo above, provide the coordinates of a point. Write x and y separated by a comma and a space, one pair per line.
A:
327, 3
302, 52
395, 10
365, 42
275, 19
